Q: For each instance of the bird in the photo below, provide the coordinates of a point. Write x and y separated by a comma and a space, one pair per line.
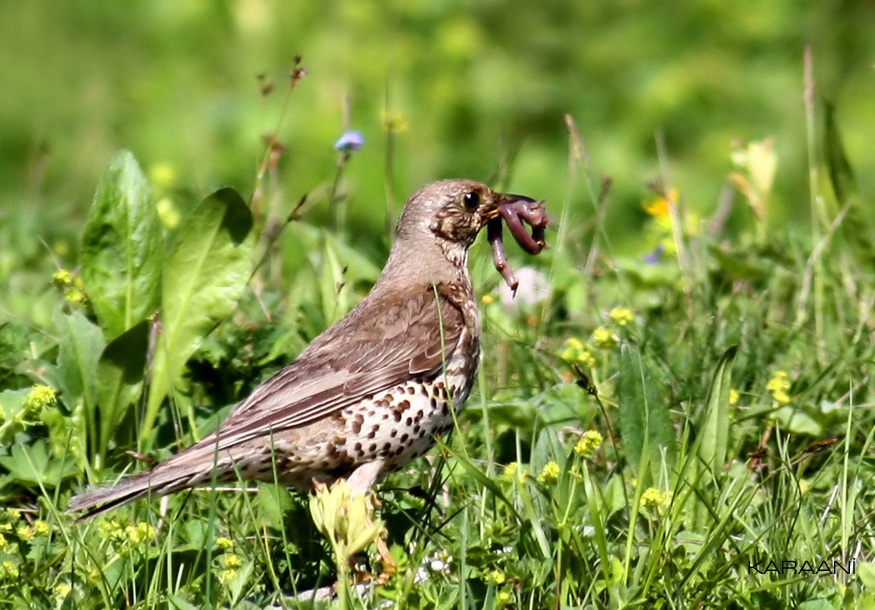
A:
369, 394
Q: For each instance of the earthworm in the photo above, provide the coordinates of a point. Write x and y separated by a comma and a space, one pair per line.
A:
514, 212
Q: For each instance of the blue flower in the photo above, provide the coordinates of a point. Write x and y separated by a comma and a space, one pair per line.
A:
349, 141
655, 256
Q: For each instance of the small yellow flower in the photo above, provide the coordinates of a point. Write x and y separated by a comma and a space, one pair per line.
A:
62, 590
4, 544
778, 386
622, 316
550, 473
231, 561
733, 397
655, 498
167, 213
488, 299
224, 543
41, 528
604, 338
496, 576
26, 533
504, 597
39, 397
576, 352
163, 176
139, 533
62, 278
658, 206
394, 121
510, 470
9, 569
588, 443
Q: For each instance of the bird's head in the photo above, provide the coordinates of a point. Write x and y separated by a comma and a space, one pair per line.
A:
451, 211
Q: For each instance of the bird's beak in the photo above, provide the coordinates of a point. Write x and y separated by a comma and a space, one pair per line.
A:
507, 200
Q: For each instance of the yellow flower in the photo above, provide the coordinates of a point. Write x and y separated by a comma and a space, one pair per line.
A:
504, 597
394, 121
62, 278
575, 352
26, 533
9, 569
167, 213
733, 397
62, 590
488, 299
604, 338
622, 316
224, 543
39, 397
231, 561
510, 470
550, 473
345, 519
41, 528
139, 533
655, 498
659, 206
496, 576
588, 443
163, 176
778, 386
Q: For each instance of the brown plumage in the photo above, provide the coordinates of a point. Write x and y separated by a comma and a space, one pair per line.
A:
369, 394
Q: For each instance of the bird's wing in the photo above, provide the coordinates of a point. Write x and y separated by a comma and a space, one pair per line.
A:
365, 353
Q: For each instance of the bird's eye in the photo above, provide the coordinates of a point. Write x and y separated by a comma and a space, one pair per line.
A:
471, 199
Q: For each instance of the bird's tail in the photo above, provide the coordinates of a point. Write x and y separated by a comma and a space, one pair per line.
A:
188, 468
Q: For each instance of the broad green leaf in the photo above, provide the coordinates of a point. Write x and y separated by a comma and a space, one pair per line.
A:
34, 465
120, 372
644, 417
715, 434
274, 500
80, 345
797, 421
122, 248
203, 277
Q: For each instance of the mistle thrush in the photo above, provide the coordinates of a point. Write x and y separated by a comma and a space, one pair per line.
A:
369, 394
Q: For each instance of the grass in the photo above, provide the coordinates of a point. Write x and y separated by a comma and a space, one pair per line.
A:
660, 434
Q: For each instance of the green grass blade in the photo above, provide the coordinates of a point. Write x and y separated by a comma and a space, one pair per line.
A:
715, 434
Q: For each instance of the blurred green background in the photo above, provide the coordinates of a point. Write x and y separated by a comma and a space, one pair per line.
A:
477, 89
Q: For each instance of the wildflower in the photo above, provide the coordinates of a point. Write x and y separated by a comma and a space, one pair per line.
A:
504, 597
575, 352
440, 562
72, 287
231, 565
534, 288
139, 533
511, 471
488, 299
604, 338
40, 397
62, 590
588, 443
733, 397
349, 142
26, 533
168, 214
394, 121
655, 256
622, 316
163, 176
496, 576
658, 207
9, 569
550, 473
41, 528
224, 543
778, 386
655, 498
346, 520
